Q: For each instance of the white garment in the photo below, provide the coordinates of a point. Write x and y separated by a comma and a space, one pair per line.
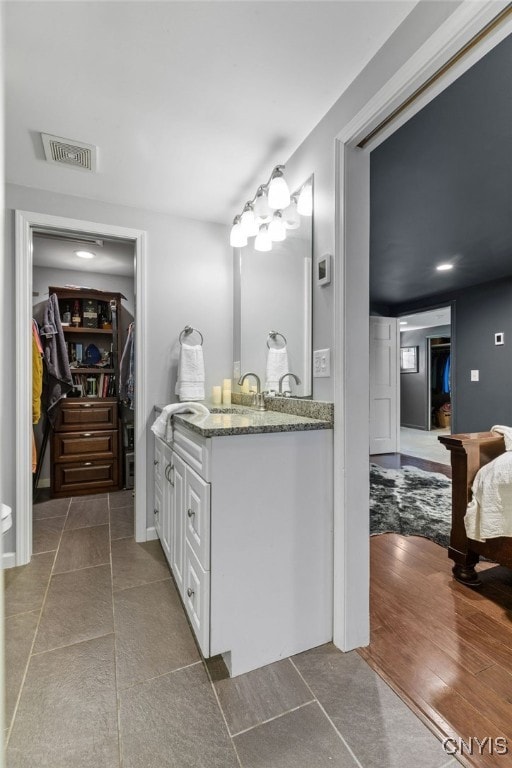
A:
277, 366
190, 383
489, 513
162, 426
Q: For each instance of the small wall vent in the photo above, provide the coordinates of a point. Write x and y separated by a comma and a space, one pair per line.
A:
67, 152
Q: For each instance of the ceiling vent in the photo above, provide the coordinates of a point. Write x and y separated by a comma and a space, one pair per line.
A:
73, 153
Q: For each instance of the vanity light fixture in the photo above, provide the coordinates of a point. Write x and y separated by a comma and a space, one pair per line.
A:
444, 267
263, 241
237, 237
403, 322
305, 201
248, 221
291, 216
262, 210
276, 228
85, 254
278, 192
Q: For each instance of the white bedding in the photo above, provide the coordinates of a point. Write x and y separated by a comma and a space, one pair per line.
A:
489, 513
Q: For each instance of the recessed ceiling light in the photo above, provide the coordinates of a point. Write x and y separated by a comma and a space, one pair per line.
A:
444, 267
85, 254
403, 322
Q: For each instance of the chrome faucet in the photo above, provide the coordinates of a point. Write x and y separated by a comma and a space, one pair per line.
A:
258, 400
297, 381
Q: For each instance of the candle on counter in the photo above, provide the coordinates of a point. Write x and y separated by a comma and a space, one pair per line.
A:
246, 387
226, 396
216, 395
226, 384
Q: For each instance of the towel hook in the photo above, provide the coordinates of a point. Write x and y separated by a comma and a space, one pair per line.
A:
273, 335
187, 331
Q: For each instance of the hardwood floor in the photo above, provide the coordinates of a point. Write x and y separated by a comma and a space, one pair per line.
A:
446, 649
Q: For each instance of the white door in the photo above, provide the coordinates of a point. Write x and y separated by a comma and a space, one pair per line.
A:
384, 385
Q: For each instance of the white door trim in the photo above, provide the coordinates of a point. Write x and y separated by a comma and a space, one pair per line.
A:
25, 222
351, 626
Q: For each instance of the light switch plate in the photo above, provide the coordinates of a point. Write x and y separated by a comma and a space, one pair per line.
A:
321, 363
475, 375
499, 338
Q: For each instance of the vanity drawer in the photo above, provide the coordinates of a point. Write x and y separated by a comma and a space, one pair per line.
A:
194, 449
77, 415
197, 517
84, 477
77, 446
196, 598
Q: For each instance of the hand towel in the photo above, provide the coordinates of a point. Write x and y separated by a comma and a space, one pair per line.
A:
507, 434
190, 383
277, 366
162, 426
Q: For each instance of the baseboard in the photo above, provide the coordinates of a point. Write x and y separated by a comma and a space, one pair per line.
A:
151, 533
8, 560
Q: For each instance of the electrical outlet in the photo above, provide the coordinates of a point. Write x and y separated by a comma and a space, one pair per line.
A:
321, 363
475, 375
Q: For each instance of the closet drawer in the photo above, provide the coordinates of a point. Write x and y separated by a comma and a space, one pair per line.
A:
197, 517
77, 415
75, 446
83, 477
196, 598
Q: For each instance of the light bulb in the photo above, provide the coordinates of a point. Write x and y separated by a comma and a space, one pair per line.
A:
262, 210
237, 237
276, 228
278, 192
85, 254
263, 241
305, 201
291, 217
248, 221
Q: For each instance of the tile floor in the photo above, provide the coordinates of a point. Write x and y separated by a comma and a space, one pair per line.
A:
103, 671
424, 445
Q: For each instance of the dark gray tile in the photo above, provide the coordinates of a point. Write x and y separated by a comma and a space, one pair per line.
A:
121, 522
174, 722
19, 635
82, 548
46, 534
152, 634
50, 508
120, 499
25, 586
376, 723
67, 716
261, 695
300, 739
134, 564
78, 607
87, 513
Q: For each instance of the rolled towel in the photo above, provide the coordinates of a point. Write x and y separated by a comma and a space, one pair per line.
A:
162, 426
190, 383
277, 366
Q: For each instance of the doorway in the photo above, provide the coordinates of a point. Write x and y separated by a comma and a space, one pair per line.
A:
27, 225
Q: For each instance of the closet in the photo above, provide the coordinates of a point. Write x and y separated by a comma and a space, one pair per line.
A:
439, 381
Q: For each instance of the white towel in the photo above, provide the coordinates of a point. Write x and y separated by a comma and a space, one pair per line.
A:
507, 434
190, 383
162, 426
277, 366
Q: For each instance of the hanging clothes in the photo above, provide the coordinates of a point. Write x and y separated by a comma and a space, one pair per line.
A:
57, 373
127, 370
446, 376
37, 373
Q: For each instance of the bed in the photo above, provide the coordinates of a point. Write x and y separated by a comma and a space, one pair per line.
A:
469, 452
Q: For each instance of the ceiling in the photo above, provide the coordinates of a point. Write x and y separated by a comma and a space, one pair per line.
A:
428, 319
441, 190
190, 103
111, 257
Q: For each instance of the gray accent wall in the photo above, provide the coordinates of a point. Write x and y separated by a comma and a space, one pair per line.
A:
414, 410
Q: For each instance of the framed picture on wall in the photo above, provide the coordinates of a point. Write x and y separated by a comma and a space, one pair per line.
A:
408, 359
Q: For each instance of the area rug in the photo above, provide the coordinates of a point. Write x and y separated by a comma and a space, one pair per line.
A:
410, 501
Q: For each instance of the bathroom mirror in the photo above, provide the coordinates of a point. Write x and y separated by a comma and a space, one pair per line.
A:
273, 293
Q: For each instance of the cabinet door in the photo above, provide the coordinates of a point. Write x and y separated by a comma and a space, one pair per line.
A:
196, 599
167, 502
197, 517
178, 522
158, 463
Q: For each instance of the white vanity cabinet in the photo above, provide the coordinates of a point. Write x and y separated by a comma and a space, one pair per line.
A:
250, 547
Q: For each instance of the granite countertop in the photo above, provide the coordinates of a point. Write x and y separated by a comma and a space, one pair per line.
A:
241, 420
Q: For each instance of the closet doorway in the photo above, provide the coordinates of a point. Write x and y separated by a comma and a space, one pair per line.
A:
31, 228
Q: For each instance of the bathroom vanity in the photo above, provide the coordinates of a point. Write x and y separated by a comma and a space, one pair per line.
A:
243, 510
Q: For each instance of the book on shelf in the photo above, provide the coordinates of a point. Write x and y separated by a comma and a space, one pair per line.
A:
105, 384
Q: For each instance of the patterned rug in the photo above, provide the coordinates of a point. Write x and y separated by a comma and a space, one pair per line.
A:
410, 501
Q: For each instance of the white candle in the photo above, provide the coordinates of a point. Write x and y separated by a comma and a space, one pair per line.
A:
226, 384
226, 397
245, 387
216, 395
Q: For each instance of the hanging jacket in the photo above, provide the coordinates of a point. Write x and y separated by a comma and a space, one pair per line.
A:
37, 375
57, 373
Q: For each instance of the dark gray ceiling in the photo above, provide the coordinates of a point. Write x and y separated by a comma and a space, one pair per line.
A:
441, 190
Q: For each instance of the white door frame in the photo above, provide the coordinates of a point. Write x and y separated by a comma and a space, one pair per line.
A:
26, 222
351, 627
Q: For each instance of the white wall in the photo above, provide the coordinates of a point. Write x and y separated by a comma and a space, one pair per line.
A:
189, 280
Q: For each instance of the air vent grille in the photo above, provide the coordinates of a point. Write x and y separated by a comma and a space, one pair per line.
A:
73, 153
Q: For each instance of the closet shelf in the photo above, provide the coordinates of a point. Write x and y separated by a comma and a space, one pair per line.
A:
72, 329
92, 370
